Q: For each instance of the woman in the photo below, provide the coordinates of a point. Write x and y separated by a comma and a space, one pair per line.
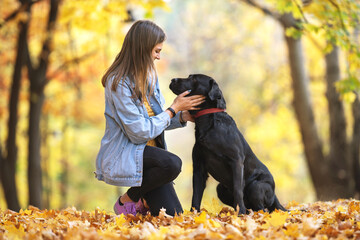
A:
133, 151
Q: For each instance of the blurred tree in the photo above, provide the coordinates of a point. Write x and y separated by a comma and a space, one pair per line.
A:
336, 174
8, 169
38, 80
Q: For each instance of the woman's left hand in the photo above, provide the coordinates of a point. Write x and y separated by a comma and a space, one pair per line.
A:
186, 116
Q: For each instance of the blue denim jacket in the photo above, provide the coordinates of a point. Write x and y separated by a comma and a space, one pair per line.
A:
128, 128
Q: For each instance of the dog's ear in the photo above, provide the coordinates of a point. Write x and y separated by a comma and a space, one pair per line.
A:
215, 94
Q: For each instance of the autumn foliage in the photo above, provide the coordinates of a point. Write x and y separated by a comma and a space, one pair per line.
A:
320, 220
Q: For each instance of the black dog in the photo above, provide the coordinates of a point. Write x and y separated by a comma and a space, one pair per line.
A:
221, 150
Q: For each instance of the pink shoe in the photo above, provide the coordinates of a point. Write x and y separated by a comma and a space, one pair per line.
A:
127, 208
140, 208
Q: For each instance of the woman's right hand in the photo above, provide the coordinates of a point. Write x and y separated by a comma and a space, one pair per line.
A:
182, 103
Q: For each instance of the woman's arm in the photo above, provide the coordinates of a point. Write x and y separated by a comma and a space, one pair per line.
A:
138, 128
182, 103
176, 122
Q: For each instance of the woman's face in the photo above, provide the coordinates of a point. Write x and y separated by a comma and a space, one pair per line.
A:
155, 53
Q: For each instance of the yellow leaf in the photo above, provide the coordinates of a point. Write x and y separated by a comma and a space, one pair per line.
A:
187, 212
25, 212
163, 230
201, 218
265, 226
261, 237
341, 209
310, 226
161, 234
292, 203
292, 230
120, 220
278, 218
14, 233
179, 218
214, 224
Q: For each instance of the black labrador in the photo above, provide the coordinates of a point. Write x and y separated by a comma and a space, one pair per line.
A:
221, 150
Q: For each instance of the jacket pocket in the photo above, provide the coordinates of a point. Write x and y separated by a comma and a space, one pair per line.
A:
114, 170
111, 159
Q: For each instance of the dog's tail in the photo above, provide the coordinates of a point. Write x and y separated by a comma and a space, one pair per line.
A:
276, 205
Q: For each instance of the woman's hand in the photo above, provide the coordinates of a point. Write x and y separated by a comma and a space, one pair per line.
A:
182, 103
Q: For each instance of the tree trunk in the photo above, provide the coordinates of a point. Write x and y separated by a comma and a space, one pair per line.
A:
1, 161
8, 169
355, 146
38, 82
338, 158
34, 160
64, 175
46, 162
304, 111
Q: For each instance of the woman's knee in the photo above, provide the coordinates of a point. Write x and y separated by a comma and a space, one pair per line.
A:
174, 165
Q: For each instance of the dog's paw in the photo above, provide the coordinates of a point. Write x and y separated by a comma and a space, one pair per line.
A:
194, 209
240, 210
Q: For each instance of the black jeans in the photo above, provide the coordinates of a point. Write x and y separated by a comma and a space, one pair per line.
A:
160, 168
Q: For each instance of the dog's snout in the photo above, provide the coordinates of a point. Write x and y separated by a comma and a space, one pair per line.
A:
180, 85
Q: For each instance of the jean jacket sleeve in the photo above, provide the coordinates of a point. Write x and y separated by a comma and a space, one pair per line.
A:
175, 122
130, 111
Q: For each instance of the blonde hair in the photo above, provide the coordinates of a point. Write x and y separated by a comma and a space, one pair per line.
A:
135, 58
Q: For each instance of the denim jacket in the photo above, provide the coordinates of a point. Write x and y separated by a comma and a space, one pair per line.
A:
128, 128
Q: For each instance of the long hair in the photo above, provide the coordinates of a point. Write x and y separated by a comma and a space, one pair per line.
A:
135, 59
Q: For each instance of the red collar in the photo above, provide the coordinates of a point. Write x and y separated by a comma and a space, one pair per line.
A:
207, 111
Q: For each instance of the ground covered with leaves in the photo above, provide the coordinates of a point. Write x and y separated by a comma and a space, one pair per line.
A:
320, 220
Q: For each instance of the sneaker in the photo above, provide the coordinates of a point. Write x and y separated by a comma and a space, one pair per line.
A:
140, 208
127, 208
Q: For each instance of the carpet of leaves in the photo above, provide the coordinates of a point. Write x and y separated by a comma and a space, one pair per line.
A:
320, 220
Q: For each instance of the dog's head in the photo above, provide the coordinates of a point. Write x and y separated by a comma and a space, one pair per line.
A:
200, 84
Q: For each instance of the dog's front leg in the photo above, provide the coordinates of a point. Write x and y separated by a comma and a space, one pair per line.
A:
199, 183
239, 184
199, 178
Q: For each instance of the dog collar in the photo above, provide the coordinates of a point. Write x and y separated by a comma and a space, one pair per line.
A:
207, 111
